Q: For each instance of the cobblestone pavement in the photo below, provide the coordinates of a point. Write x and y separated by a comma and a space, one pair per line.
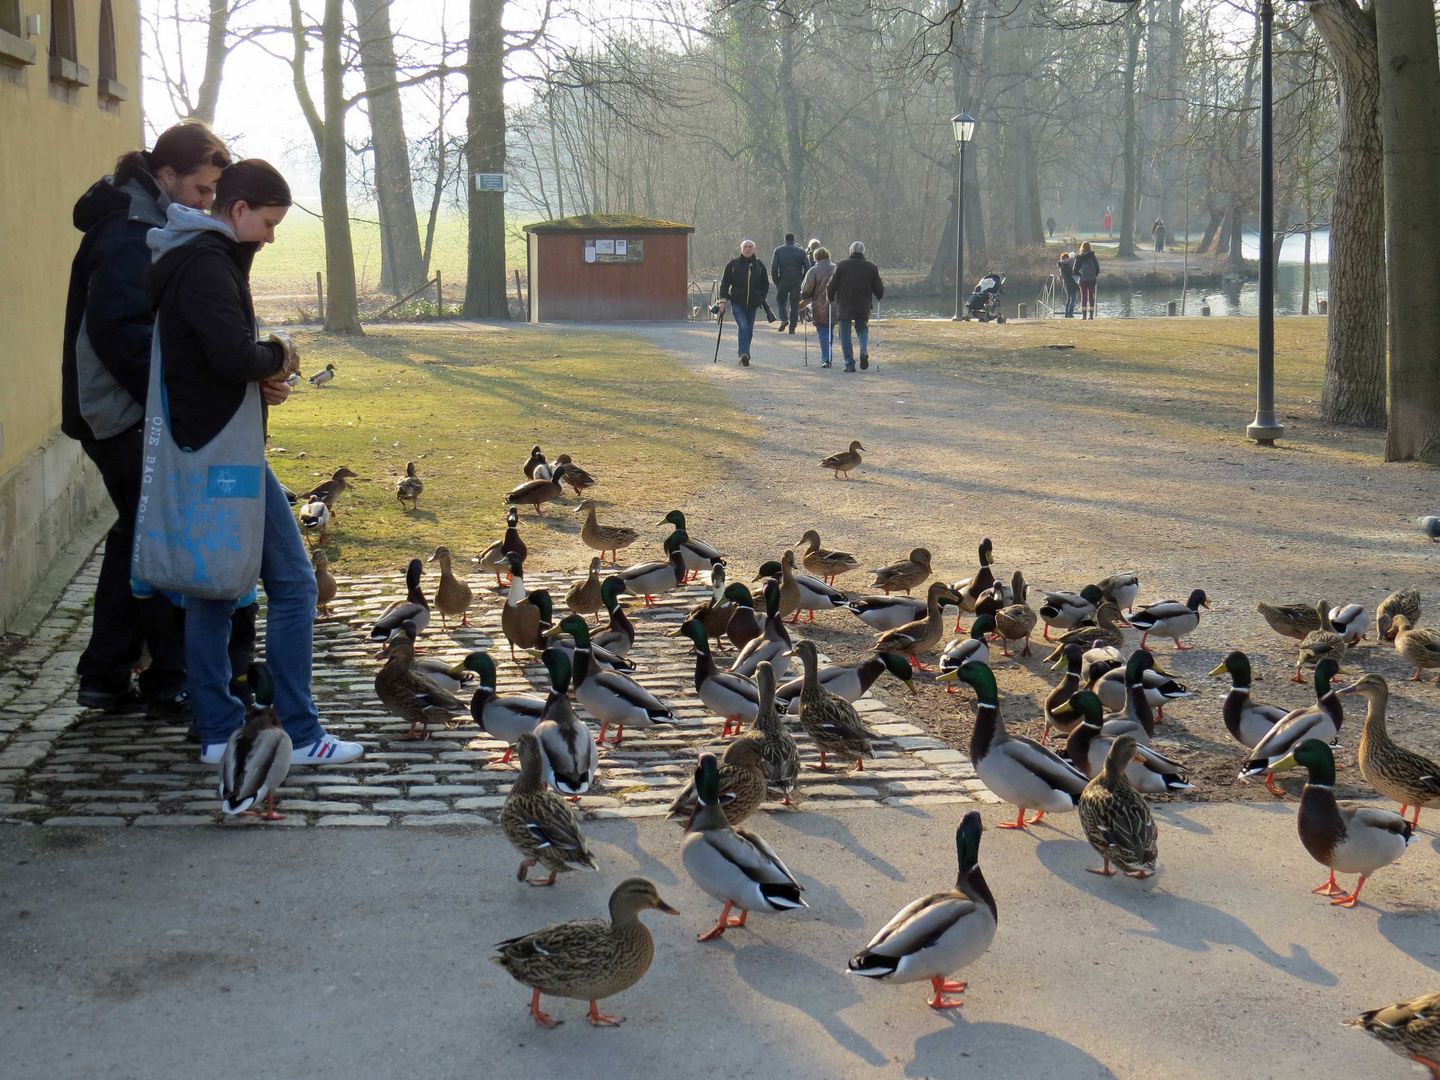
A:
61, 765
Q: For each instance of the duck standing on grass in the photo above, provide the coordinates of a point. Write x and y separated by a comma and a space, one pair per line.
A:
537, 492
452, 596
536, 466
830, 721
1409, 778
733, 865
320, 378
1348, 839
328, 491
1116, 820
539, 824
603, 538
496, 557
315, 518
587, 959
409, 488
937, 935
846, 461
257, 757
1410, 1028
1171, 619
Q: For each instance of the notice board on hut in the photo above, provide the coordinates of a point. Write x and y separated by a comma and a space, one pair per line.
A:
608, 267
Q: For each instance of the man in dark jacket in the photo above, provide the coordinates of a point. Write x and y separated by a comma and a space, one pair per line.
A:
105, 375
743, 287
855, 281
787, 267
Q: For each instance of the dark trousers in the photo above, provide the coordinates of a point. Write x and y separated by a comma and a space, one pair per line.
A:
788, 291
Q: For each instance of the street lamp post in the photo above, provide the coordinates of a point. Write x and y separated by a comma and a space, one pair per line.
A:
1265, 430
964, 126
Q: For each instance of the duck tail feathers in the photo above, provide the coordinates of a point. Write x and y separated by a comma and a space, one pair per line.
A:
871, 965
783, 896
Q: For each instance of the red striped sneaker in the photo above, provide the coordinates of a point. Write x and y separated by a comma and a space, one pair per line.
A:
327, 750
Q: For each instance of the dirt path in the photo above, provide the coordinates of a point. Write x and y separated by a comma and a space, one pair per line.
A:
1069, 492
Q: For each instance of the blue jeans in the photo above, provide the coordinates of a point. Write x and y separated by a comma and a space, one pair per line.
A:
289, 582
825, 335
862, 331
744, 328
1070, 298
787, 302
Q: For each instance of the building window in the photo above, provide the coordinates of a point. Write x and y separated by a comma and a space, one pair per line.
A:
15, 52
110, 89
67, 74
10, 18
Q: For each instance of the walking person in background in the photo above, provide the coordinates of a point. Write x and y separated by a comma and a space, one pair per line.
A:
1050, 226
810, 250
813, 292
855, 281
743, 288
200, 290
1087, 269
787, 268
1107, 222
1068, 279
105, 373
1159, 232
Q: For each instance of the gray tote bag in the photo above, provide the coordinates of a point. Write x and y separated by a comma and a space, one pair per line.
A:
200, 527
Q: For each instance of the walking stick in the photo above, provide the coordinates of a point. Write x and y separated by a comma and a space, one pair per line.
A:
807, 348
830, 331
720, 329
877, 335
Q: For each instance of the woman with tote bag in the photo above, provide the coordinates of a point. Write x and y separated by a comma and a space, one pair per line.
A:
212, 516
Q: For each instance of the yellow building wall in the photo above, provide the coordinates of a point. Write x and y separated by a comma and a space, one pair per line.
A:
50, 152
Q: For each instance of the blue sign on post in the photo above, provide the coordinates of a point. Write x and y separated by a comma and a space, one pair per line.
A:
489, 181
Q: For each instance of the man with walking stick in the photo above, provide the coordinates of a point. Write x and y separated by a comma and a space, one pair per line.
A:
743, 289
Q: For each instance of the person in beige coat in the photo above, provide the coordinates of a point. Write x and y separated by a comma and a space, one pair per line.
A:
813, 299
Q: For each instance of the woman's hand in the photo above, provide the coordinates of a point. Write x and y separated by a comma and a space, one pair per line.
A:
275, 391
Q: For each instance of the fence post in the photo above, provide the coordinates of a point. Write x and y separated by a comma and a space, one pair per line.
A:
1205, 310
320, 294
1324, 307
1171, 308
439, 296
1021, 311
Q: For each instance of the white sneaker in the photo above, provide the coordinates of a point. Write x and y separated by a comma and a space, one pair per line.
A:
326, 750
211, 753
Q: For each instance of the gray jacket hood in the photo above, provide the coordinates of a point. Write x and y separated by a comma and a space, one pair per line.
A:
183, 224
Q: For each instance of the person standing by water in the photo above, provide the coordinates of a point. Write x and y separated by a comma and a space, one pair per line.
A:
1087, 269
813, 292
787, 269
743, 289
1159, 233
1107, 222
1067, 279
855, 280
199, 285
1050, 226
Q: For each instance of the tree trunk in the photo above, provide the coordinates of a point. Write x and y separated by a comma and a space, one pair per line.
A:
485, 153
1410, 126
216, 28
1216, 217
1132, 137
794, 143
1354, 386
1237, 237
402, 266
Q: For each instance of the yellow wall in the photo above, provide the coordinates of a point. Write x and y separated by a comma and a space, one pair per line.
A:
50, 152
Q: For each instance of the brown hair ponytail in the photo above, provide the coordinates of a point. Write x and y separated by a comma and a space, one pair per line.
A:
252, 181
185, 147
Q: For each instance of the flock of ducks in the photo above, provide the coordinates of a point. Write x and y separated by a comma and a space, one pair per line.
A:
1106, 707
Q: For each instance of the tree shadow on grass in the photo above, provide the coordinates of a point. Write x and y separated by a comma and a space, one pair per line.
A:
1000, 1051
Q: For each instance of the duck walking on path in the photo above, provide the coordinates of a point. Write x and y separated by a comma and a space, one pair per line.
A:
1171, 619
257, 756
1116, 820
846, 461
829, 720
1410, 1028
1409, 778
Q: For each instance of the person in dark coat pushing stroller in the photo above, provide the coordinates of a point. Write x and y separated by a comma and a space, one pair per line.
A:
855, 281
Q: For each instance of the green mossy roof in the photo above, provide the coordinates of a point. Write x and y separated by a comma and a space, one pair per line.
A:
607, 223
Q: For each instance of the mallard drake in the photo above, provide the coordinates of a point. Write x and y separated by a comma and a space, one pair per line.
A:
571, 756
922, 635
888, 612
742, 783
812, 594
496, 558
971, 589
452, 678
539, 824
1246, 719
1322, 721
1420, 646
937, 935
537, 492
1170, 618
452, 596
257, 756
583, 598
844, 462
554, 638
1350, 622
1410, 1028
1319, 644
1113, 687
1404, 602
1087, 745
1104, 630
414, 608
330, 490
320, 378
325, 586
698, 557
1016, 769
973, 649
715, 610
1348, 839
830, 721
1290, 620
519, 619
1138, 718
849, 681
733, 698
1066, 722
505, 718
733, 865
1116, 820
1016, 622
575, 476
409, 487
536, 467
777, 746
647, 578
1409, 778
315, 518
412, 695
772, 645
609, 696
825, 563
1120, 589
587, 959
619, 635
904, 575
1065, 611
603, 538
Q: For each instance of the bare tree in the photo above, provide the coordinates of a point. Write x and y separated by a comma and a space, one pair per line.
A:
485, 154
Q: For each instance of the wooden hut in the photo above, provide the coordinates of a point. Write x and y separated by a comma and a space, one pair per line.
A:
608, 267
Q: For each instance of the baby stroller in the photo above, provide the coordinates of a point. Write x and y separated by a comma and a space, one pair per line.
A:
985, 300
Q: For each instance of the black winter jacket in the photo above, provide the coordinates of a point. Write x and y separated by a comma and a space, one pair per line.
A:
855, 281
200, 289
745, 283
105, 360
1087, 265
788, 265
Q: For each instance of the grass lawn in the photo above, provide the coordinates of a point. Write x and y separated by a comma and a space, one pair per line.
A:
467, 405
